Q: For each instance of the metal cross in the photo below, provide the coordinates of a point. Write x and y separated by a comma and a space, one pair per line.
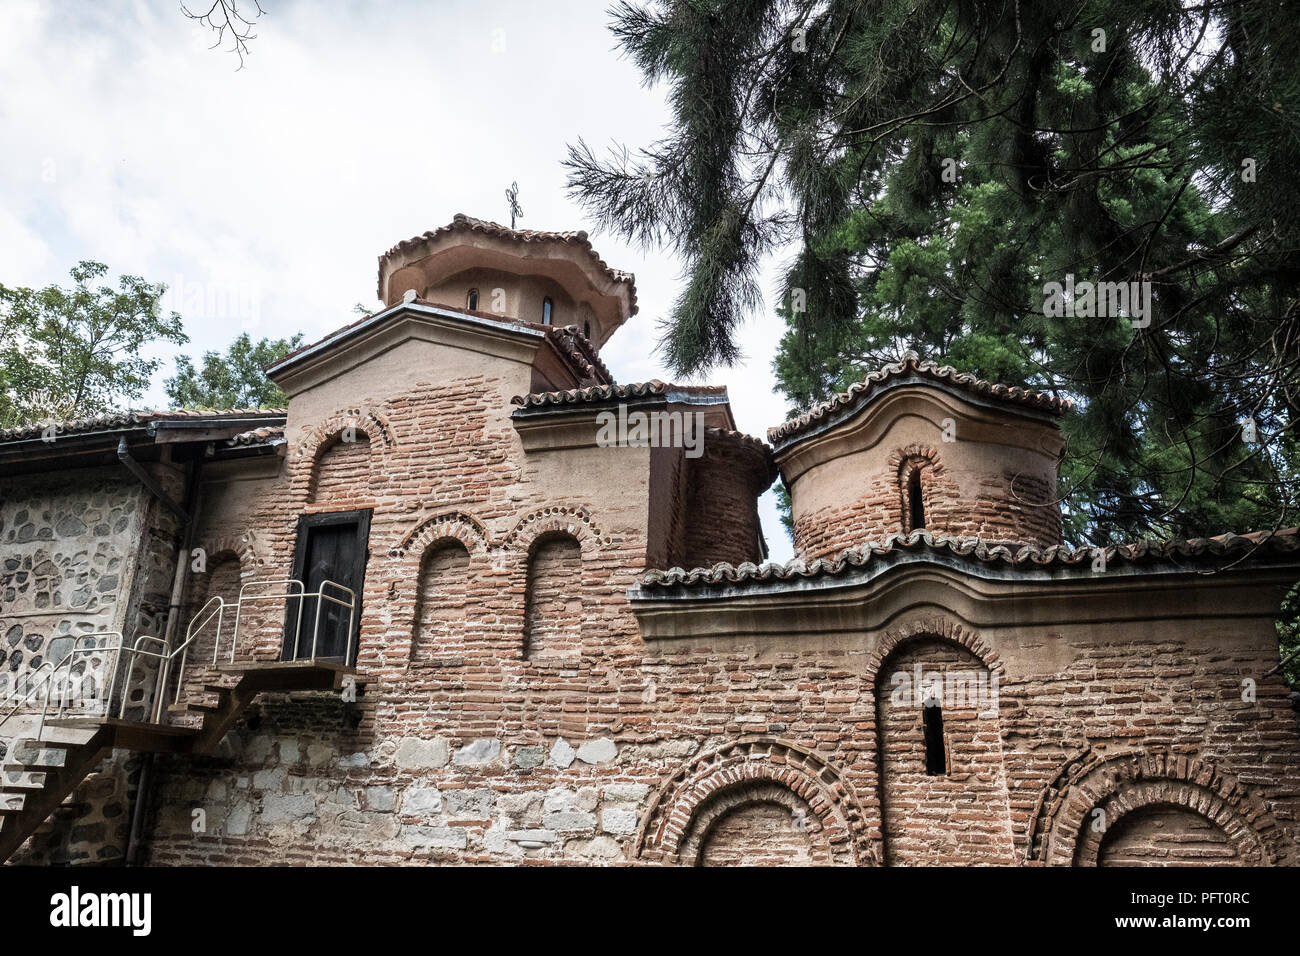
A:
512, 195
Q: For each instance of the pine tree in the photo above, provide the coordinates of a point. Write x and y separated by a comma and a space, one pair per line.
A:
937, 165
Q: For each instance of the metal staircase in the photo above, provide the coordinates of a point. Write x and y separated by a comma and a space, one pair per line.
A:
106, 697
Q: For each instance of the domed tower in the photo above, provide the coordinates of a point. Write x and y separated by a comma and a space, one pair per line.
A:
522, 275
917, 446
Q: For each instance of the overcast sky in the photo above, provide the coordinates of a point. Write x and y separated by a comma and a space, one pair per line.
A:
263, 196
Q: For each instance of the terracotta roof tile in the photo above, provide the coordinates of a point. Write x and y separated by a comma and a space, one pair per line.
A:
256, 436
977, 551
604, 393
132, 418
911, 364
740, 438
463, 223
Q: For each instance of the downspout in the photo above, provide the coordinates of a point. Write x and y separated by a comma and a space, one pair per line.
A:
184, 542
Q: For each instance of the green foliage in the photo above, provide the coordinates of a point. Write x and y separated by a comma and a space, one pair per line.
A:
233, 380
936, 165
1288, 630
66, 353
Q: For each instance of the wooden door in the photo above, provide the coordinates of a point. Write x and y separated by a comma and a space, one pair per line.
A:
330, 547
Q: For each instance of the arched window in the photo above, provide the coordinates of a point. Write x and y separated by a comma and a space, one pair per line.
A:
915, 503
547, 307
912, 491
343, 469
553, 599
442, 602
586, 329
471, 300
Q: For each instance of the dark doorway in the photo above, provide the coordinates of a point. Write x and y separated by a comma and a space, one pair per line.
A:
331, 547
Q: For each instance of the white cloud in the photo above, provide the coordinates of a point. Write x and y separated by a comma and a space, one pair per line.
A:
352, 127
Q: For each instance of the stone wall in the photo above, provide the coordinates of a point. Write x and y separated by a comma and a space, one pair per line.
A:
81, 552
67, 560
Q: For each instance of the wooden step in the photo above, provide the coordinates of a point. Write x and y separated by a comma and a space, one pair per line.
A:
80, 734
44, 744
193, 708
139, 735
275, 667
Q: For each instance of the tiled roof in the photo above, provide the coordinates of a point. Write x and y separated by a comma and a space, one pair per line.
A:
740, 438
604, 393
570, 340
567, 338
911, 365
463, 223
975, 550
256, 436
107, 421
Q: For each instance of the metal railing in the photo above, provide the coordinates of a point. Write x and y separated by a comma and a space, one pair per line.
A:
148, 648
60, 677
286, 590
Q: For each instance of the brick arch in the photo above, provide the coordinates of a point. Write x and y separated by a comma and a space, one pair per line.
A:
435, 529
308, 450
243, 546
916, 452
904, 463
1060, 833
740, 797
934, 628
728, 776
571, 520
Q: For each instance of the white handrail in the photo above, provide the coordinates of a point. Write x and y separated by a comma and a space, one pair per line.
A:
134, 653
239, 607
96, 637
320, 596
196, 626
215, 607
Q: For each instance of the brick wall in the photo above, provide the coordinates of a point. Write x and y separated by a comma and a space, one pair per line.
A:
720, 521
553, 600
960, 814
1001, 507
1166, 836
469, 743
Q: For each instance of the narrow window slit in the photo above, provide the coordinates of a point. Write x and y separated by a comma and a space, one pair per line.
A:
915, 504
936, 760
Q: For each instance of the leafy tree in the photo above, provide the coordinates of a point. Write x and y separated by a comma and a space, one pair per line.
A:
71, 352
233, 380
936, 164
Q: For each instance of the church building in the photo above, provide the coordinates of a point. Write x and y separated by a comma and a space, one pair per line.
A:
469, 600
